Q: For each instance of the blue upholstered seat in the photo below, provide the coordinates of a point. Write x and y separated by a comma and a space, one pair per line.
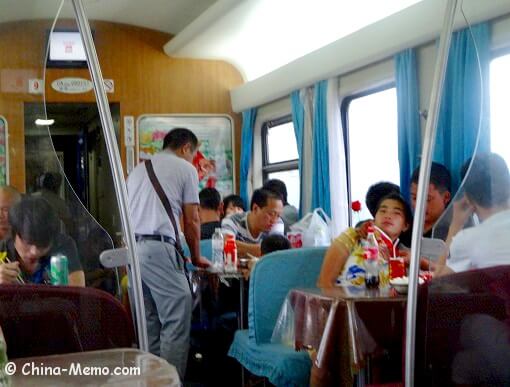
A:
205, 251
270, 281
206, 248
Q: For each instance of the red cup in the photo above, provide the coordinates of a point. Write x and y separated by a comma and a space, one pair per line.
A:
397, 267
295, 238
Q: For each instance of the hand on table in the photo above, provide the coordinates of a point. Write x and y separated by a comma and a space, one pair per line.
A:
202, 263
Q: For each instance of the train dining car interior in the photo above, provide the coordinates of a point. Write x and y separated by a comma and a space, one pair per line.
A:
254, 192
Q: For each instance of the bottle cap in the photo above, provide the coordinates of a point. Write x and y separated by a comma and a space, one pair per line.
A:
370, 228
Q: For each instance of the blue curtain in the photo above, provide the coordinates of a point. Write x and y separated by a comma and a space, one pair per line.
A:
298, 116
320, 162
249, 117
459, 114
408, 105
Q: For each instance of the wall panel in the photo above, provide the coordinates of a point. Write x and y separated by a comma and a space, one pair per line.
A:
146, 79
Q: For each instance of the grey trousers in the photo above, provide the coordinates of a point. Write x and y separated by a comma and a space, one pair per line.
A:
167, 299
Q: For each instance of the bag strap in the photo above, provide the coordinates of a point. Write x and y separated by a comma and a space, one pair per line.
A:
164, 200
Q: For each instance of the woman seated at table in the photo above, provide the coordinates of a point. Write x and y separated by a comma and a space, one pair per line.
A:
343, 263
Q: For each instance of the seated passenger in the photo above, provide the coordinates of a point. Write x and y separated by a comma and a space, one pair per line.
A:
487, 194
438, 197
274, 242
251, 227
343, 262
49, 186
233, 204
8, 196
25, 256
209, 212
376, 192
290, 213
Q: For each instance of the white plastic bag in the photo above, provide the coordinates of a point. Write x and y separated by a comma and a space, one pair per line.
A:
315, 228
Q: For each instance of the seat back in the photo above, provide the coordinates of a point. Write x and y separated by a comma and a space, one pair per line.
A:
44, 320
270, 281
206, 248
445, 307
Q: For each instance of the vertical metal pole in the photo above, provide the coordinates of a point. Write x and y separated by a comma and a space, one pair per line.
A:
115, 164
426, 158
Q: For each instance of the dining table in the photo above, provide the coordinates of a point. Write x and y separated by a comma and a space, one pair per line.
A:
112, 367
350, 333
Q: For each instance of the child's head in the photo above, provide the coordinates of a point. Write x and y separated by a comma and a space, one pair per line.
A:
274, 242
233, 204
393, 215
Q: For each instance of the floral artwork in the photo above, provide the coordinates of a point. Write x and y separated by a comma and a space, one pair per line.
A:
214, 159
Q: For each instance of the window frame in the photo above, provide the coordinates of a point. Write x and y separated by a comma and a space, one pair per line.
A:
344, 116
281, 166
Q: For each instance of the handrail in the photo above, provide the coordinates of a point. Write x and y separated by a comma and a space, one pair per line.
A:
426, 160
116, 166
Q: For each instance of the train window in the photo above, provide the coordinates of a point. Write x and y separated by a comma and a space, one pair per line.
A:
500, 115
280, 156
371, 120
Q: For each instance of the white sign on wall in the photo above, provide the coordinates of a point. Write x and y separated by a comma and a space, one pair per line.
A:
72, 85
35, 86
109, 85
77, 85
129, 130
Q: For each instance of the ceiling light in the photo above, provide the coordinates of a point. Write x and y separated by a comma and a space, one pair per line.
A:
42, 122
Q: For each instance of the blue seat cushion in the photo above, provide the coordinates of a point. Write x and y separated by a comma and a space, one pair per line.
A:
282, 365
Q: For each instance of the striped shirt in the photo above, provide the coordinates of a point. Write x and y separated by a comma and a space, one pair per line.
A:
237, 224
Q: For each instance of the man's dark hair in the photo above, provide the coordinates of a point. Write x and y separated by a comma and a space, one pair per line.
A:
439, 176
236, 201
488, 181
210, 199
50, 181
34, 221
376, 192
277, 186
408, 213
274, 242
179, 137
261, 196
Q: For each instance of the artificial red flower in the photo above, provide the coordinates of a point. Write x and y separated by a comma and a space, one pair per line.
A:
356, 206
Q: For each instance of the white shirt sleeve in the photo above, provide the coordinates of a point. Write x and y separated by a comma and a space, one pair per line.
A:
190, 191
460, 251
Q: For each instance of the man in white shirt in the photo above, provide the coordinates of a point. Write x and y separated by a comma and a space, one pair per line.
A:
251, 227
487, 194
166, 290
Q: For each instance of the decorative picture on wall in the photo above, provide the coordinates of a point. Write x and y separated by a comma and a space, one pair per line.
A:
214, 160
4, 157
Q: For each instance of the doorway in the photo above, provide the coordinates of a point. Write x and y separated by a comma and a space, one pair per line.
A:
75, 140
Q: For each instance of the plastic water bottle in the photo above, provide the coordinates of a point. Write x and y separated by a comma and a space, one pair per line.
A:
217, 250
371, 252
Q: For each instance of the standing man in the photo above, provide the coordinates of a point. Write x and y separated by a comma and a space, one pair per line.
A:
166, 290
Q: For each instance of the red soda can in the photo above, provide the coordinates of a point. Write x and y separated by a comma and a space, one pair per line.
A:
295, 238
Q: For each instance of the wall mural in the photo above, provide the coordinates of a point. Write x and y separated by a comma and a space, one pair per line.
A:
214, 160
